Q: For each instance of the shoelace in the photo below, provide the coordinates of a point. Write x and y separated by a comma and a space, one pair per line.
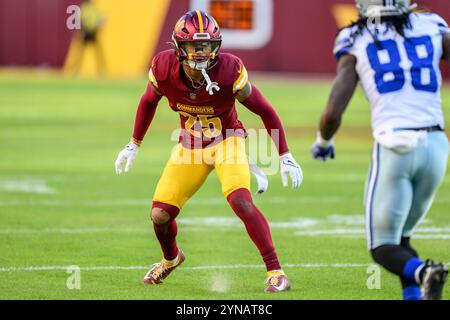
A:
272, 277
157, 270
274, 281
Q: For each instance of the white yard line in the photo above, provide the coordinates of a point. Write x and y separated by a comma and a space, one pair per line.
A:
147, 202
216, 267
416, 236
431, 236
330, 232
25, 186
216, 201
419, 232
234, 222
70, 230
333, 225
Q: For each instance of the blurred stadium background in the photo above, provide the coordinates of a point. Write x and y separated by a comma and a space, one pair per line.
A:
66, 111
276, 36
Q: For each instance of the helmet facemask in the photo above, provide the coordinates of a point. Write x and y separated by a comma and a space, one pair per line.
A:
380, 8
199, 54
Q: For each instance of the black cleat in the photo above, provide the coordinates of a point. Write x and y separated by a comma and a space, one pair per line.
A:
434, 278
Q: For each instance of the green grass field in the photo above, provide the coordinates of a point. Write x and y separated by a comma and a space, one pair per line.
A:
61, 203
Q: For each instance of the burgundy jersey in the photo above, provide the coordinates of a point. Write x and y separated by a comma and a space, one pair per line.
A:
204, 118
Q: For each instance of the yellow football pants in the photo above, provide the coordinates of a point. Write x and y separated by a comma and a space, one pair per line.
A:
187, 170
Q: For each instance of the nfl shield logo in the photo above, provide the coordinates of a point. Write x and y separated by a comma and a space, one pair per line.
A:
193, 96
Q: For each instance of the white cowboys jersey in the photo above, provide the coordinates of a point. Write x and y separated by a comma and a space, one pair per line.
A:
400, 77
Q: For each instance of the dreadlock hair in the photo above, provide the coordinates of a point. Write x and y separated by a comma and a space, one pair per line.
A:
398, 23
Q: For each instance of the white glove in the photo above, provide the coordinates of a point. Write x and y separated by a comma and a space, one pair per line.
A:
260, 176
129, 153
290, 167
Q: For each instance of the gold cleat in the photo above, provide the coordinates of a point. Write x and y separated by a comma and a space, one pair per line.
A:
159, 271
277, 281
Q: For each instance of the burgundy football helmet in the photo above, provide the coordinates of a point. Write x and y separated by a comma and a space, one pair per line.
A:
197, 39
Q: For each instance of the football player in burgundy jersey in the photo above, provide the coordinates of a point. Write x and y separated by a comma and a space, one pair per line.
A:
202, 85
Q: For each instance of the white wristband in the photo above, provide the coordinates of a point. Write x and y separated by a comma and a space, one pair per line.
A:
321, 142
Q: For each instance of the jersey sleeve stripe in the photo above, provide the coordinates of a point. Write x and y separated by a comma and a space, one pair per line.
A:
343, 42
339, 52
340, 48
443, 28
240, 83
152, 78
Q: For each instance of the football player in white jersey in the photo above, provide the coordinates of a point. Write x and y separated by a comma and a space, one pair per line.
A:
395, 54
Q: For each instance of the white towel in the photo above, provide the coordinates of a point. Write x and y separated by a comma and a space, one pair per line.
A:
402, 141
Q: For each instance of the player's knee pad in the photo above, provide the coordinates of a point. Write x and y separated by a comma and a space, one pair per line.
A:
241, 202
162, 213
159, 216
